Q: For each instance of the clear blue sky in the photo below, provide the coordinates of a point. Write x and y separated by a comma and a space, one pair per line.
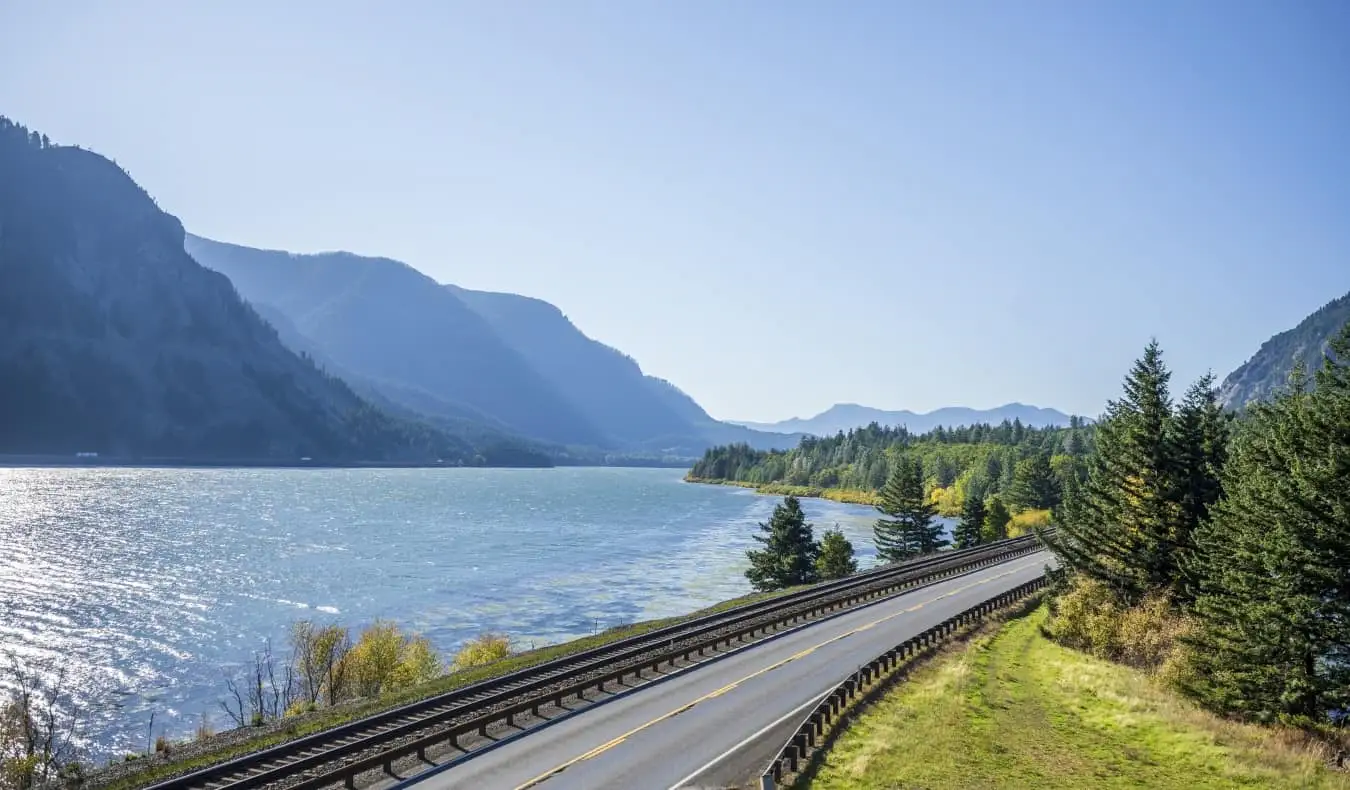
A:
776, 205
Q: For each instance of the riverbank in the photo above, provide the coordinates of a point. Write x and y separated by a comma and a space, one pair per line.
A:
848, 496
1016, 710
184, 757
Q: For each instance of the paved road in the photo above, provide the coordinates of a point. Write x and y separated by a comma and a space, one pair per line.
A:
708, 726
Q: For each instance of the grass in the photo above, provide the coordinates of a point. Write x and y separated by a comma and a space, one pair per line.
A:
332, 717
850, 495
1015, 710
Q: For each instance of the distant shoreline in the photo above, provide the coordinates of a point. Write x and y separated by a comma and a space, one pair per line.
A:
11, 461
848, 496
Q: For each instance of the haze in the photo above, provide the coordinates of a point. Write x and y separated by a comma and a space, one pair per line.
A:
777, 206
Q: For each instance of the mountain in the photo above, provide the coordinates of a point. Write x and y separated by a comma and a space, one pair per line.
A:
462, 357
1270, 367
637, 411
845, 416
384, 323
114, 340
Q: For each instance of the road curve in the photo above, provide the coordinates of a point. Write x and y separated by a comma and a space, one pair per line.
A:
718, 724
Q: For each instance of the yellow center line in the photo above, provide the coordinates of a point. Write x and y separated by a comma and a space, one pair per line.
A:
728, 687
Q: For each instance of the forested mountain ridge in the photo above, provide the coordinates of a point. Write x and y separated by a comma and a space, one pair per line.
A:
388, 324
1268, 370
847, 416
113, 340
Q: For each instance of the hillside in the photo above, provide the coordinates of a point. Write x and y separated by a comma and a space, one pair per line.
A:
1269, 368
637, 411
500, 361
385, 323
847, 416
1015, 709
113, 340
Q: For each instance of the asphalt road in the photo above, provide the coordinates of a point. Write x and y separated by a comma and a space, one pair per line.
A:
718, 724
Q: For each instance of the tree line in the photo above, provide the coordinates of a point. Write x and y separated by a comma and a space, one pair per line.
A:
1026, 468
1231, 533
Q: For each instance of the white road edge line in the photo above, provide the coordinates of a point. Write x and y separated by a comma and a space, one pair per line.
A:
724, 755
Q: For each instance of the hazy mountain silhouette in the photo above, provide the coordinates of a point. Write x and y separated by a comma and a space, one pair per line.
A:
637, 411
845, 416
510, 362
385, 323
1269, 369
113, 340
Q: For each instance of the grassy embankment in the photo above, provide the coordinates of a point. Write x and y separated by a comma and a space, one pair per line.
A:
851, 496
1015, 710
323, 719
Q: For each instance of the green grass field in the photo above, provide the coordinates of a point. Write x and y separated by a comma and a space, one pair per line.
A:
1015, 710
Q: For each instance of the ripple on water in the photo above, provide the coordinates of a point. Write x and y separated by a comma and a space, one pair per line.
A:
146, 585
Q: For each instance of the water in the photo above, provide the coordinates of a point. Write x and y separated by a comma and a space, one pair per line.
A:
146, 585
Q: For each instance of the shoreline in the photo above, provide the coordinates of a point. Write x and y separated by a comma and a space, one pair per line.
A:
65, 462
847, 496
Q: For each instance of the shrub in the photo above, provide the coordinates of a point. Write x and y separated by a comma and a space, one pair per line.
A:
1026, 521
484, 649
386, 659
1089, 617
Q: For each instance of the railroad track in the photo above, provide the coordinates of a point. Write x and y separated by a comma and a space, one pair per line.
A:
339, 754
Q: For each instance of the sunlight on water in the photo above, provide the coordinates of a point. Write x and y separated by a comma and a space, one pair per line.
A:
145, 583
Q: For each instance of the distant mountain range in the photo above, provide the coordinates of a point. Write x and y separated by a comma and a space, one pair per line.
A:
464, 357
846, 416
1269, 369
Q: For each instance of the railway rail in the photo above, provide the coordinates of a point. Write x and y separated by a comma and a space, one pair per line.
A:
340, 754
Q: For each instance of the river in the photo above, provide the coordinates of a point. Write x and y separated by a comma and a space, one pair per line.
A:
146, 585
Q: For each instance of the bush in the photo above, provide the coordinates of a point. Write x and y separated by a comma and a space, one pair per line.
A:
1026, 521
482, 650
1089, 617
386, 659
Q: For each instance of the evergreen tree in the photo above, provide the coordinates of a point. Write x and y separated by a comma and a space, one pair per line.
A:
1273, 564
836, 556
1199, 439
789, 554
1034, 485
1125, 527
996, 519
913, 527
970, 531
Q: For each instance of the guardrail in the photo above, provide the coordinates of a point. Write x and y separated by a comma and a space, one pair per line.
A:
445, 718
871, 676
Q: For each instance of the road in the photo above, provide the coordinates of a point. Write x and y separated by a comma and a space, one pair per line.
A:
718, 724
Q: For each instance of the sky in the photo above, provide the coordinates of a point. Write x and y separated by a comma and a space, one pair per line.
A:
776, 205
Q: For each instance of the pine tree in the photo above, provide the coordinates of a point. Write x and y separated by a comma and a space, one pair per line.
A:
996, 519
913, 527
1123, 528
836, 556
970, 531
1273, 561
789, 554
1034, 486
1199, 445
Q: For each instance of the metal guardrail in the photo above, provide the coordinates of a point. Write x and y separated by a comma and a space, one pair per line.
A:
869, 678
313, 756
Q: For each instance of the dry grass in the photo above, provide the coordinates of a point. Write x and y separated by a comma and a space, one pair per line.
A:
1016, 710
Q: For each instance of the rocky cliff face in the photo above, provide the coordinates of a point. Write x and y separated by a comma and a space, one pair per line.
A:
1269, 369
